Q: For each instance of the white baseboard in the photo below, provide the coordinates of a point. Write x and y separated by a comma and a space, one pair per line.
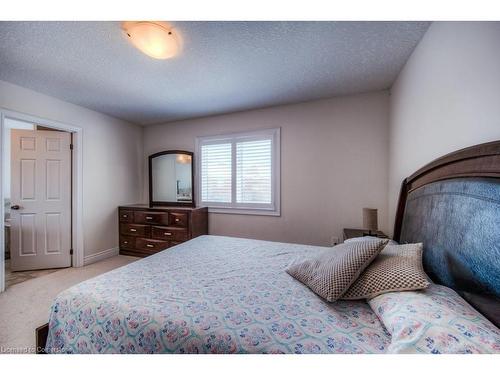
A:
100, 255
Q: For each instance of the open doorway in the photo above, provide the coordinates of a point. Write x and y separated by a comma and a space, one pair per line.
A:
41, 196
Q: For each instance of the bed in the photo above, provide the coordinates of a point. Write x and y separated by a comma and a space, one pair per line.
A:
210, 295
229, 295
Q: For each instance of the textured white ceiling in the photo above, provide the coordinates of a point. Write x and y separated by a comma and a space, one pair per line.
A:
223, 67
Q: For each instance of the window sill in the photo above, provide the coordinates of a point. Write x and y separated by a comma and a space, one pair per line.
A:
243, 211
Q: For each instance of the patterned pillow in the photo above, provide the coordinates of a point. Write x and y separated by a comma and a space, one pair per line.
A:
396, 268
331, 273
434, 320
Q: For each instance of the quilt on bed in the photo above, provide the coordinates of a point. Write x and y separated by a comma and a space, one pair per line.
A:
210, 295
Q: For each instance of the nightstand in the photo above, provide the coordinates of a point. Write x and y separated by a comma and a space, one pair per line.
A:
351, 233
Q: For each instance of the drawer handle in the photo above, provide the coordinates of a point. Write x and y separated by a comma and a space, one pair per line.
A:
149, 218
177, 220
125, 242
167, 234
124, 215
133, 230
148, 245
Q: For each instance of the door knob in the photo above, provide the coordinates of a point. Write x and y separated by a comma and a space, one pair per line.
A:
15, 207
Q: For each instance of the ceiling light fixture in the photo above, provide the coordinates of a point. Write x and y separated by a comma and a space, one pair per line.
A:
155, 39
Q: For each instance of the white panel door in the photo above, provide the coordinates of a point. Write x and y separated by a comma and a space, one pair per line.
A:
40, 199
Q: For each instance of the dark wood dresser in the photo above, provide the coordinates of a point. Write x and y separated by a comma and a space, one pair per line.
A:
145, 231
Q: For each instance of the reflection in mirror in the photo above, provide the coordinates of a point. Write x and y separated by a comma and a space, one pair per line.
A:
171, 178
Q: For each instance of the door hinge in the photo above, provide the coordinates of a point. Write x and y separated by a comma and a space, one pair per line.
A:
70, 251
71, 146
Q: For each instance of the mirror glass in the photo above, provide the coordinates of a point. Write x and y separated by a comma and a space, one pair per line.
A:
171, 178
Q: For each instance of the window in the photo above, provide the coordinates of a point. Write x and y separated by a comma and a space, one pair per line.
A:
239, 173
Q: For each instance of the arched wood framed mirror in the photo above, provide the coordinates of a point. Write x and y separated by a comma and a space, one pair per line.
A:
171, 179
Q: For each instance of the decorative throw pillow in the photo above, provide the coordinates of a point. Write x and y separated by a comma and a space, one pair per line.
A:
396, 268
331, 273
434, 320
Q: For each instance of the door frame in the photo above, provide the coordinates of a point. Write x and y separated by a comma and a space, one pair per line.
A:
76, 179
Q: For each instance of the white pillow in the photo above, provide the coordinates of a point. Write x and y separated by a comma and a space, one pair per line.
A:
434, 320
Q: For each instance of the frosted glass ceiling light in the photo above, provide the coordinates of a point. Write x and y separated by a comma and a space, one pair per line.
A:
155, 39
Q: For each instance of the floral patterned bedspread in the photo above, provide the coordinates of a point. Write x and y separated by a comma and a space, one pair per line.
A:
210, 295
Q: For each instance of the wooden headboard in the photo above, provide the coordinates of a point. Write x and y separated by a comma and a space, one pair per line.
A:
452, 205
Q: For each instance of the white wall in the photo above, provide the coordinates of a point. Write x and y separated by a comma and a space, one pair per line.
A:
334, 159
447, 97
112, 160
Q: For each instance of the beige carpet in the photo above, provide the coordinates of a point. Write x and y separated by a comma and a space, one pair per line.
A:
13, 278
25, 306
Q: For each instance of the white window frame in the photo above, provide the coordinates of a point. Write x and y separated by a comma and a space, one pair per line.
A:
273, 209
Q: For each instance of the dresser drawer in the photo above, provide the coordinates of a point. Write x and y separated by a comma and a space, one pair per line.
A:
145, 217
169, 233
136, 230
126, 216
147, 245
178, 219
127, 242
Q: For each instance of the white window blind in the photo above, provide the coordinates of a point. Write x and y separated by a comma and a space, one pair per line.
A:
253, 171
240, 172
216, 168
